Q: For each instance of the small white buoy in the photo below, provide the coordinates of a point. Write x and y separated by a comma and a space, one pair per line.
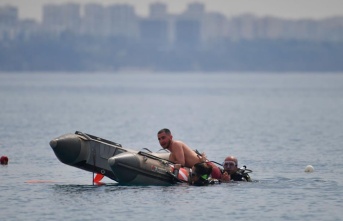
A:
309, 169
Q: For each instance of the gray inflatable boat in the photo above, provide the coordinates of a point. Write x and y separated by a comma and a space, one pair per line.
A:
110, 159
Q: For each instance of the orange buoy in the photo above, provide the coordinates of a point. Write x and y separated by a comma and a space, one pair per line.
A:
4, 160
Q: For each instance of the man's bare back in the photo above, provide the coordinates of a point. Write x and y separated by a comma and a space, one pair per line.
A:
182, 154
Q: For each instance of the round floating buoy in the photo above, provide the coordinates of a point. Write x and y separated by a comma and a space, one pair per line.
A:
4, 160
309, 169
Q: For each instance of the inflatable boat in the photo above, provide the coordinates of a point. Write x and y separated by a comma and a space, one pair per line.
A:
125, 166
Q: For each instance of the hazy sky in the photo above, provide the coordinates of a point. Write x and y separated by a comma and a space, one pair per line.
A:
293, 9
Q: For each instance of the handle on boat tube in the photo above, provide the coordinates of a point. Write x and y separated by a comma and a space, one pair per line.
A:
175, 178
177, 168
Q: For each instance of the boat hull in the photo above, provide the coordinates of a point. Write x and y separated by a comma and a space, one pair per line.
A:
123, 165
142, 169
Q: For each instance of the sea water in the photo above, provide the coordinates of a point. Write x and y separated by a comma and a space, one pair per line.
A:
274, 123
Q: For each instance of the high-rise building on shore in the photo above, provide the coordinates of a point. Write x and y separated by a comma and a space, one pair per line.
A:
158, 11
121, 20
8, 15
94, 20
8, 22
60, 18
194, 26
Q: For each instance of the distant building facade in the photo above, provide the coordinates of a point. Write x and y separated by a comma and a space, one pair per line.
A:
121, 20
191, 28
8, 21
60, 18
94, 20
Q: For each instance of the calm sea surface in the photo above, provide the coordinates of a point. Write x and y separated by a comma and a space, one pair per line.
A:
276, 124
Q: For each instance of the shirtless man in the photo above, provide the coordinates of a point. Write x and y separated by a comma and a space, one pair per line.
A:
180, 153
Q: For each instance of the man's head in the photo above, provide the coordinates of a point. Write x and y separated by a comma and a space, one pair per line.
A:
164, 137
230, 164
200, 173
202, 169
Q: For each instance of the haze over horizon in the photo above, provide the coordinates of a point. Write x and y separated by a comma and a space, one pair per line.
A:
291, 9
